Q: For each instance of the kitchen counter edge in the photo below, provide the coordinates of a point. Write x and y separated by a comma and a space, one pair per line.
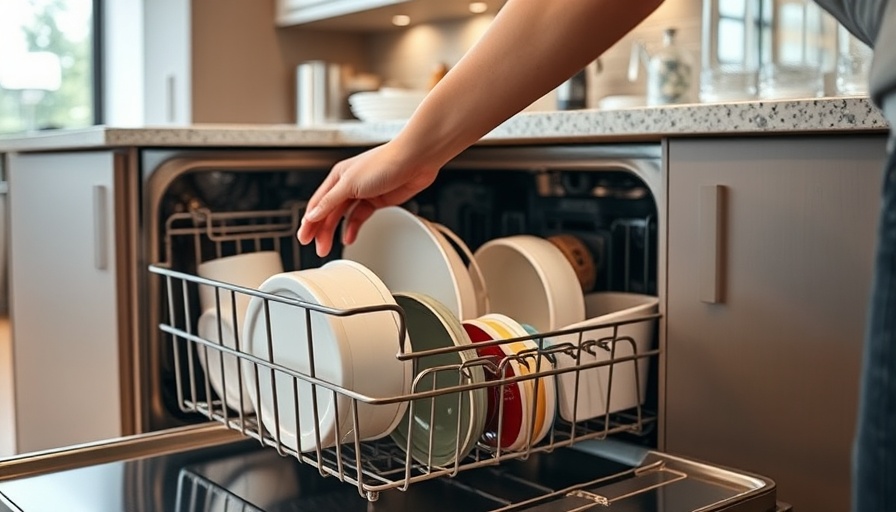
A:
808, 116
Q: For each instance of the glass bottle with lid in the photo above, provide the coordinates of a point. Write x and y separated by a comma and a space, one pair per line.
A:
670, 73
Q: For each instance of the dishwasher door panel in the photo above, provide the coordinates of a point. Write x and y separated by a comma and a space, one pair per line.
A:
204, 471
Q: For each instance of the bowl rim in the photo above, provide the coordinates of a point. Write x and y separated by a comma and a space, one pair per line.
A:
563, 277
429, 237
335, 332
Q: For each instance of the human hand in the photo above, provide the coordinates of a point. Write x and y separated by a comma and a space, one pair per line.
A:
356, 187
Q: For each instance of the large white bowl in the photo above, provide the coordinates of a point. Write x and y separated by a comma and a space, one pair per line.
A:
530, 280
409, 256
355, 352
594, 383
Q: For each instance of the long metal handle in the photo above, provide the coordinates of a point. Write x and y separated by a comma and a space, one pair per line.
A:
711, 243
100, 220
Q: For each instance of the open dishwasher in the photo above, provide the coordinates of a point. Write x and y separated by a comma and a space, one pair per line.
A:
204, 452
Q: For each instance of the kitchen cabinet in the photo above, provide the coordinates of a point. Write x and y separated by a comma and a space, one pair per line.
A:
770, 248
370, 15
296, 12
65, 298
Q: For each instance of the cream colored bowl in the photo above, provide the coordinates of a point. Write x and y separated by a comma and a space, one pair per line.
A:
530, 280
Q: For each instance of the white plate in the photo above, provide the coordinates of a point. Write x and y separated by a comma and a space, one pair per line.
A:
408, 256
472, 290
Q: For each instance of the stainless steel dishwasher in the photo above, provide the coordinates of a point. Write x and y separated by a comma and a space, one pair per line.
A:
200, 452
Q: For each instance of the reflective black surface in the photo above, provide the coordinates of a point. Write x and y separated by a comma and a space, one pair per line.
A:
243, 477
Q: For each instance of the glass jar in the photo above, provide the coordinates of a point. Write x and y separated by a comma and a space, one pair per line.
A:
797, 41
853, 64
729, 50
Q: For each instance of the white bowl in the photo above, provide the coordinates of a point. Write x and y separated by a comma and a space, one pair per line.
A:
227, 382
530, 280
594, 383
248, 270
355, 352
386, 104
406, 253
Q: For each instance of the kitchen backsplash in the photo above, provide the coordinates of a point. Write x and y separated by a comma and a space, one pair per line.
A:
407, 58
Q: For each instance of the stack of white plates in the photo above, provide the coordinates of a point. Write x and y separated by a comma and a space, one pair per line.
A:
385, 104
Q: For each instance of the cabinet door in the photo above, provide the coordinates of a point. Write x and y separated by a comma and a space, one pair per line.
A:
764, 377
63, 299
295, 12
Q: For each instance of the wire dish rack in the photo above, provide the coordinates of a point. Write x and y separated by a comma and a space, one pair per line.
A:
373, 466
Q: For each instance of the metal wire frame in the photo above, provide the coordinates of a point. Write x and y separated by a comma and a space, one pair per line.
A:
375, 466
371, 465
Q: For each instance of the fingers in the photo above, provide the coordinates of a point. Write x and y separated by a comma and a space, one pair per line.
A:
354, 219
326, 230
312, 211
331, 196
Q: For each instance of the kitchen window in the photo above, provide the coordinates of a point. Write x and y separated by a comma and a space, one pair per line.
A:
49, 64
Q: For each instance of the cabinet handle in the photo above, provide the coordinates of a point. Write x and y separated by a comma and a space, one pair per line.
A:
171, 98
99, 227
712, 243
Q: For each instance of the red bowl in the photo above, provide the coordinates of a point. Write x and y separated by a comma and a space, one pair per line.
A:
511, 435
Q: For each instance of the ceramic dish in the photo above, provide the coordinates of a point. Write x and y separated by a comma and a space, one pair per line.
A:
248, 270
504, 424
226, 382
594, 383
354, 352
445, 428
407, 254
546, 399
530, 280
373, 340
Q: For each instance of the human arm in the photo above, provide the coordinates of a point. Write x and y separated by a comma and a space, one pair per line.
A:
529, 49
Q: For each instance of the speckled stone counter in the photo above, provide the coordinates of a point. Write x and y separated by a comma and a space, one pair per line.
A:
639, 124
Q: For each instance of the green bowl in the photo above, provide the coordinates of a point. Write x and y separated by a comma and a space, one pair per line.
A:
440, 430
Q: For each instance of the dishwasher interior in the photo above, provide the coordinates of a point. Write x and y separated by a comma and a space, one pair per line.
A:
201, 206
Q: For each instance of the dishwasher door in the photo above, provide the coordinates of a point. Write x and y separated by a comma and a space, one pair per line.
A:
206, 468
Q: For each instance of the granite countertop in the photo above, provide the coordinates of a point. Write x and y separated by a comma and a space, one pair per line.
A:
637, 124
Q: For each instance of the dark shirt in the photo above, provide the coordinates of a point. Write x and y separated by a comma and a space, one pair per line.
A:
874, 22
